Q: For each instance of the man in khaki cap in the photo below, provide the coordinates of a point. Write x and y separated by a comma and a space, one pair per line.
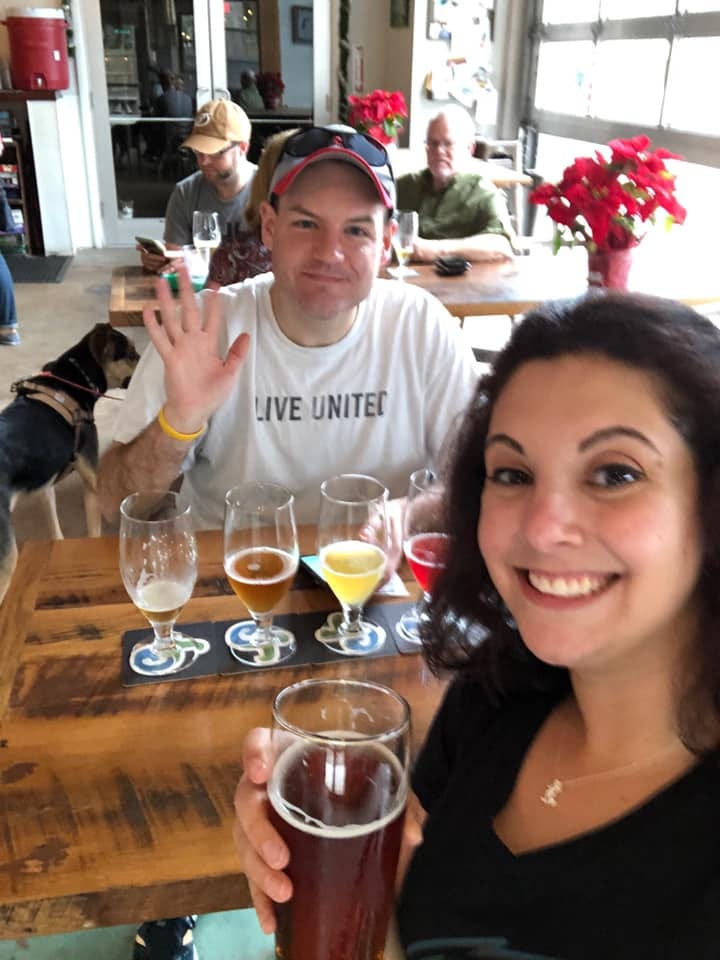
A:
220, 139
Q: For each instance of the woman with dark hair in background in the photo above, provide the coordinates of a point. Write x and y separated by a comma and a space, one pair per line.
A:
570, 781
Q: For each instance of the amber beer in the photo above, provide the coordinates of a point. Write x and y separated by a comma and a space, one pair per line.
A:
260, 576
343, 831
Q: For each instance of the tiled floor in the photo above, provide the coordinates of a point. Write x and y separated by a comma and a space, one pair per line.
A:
234, 935
52, 317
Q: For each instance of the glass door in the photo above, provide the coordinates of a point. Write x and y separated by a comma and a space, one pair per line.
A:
161, 58
152, 62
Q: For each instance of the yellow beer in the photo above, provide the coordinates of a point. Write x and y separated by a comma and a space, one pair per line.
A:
352, 569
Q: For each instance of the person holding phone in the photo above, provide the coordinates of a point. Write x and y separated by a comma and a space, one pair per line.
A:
220, 139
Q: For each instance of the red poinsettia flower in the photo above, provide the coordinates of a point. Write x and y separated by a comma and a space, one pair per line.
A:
604, 204
379, 113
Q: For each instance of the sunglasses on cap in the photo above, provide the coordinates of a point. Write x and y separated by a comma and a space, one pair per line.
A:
306, 142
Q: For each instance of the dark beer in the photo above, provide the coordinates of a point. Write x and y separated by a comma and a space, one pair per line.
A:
340, 809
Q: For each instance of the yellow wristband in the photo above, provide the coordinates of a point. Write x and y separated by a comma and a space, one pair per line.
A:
175, 434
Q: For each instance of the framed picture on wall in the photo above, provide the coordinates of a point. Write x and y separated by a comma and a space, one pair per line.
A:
399, 13
302, 24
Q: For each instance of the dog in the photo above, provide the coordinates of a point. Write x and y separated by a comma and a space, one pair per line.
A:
49, 430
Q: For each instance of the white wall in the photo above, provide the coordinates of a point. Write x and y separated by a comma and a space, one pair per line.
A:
388, 50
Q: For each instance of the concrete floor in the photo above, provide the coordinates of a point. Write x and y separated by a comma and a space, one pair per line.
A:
52, 317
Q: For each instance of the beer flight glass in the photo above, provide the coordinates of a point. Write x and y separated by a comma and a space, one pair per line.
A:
337, 796
404, 243
352, 547
261, 559
158, 565
206, 235
425, 544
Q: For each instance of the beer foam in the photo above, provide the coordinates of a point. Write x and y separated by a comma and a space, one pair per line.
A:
289, 565
297, 818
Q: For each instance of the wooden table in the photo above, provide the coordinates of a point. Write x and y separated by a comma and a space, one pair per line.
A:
668, 270
663, 269
116, 803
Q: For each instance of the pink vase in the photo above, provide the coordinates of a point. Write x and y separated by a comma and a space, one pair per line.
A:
610, 268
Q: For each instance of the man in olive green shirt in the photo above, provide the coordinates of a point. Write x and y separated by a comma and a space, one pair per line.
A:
461, 214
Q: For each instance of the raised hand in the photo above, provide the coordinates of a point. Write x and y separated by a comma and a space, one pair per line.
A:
197, 379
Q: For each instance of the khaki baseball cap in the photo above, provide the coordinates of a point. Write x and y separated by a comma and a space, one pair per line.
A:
218, 123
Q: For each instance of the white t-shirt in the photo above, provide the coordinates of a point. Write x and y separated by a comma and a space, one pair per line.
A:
381, 401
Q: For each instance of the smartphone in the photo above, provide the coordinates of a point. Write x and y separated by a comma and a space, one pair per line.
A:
311, 563
156, 247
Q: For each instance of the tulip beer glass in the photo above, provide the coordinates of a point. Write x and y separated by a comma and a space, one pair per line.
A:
337, 796
425, 544
406, 234
261, 559
158, 565
352, 544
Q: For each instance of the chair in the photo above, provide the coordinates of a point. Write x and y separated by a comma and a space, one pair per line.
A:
514, 154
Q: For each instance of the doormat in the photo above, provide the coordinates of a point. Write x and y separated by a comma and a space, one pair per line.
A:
26, 269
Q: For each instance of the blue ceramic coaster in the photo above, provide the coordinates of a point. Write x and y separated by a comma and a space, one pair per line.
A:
147, 663
238, 639
370, 640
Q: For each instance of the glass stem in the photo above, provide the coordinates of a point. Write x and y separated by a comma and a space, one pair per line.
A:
351, 619
163, 638
264, 624
421, 607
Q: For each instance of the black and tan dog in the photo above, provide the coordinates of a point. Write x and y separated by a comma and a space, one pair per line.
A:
49, 430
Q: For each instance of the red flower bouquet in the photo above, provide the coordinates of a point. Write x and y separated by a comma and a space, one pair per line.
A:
606, 204
271, 86
380, 113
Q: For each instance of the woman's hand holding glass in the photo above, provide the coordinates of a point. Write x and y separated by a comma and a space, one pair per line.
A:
264, 855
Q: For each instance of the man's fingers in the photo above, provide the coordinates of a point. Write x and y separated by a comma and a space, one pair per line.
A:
190, 315
211, 313
237, 352
168, 310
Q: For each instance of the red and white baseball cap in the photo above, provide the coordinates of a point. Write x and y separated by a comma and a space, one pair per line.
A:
335, 142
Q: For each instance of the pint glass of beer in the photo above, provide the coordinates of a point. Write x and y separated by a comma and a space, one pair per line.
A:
337, 796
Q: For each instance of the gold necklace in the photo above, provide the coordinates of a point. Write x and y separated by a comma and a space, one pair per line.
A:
552, 791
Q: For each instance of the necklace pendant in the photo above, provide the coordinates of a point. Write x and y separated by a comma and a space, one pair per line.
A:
551, 793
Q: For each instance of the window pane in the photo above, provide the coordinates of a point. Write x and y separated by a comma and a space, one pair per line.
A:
694, 76
563, 77
630, 9
613, 98
570, 11
699, 6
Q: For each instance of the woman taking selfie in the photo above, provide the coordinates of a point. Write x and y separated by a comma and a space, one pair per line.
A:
570, 783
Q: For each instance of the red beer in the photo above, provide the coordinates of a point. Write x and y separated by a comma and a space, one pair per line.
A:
340, 809
426, 555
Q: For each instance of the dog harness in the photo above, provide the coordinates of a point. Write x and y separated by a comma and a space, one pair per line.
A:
68, 408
